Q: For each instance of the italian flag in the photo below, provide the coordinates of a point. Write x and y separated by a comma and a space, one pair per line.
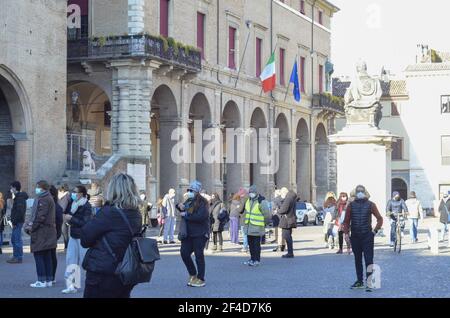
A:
268, 75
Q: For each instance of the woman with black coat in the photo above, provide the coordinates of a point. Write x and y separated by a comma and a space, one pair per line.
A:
288, 220
58, 221
108, 227
195, 213
80, 214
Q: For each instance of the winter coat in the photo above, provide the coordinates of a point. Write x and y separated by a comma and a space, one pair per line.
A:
443, 211
276, 205
414, 208
395, 207
58, 220
242, 212
216, 224
81, 216
197, 221
19, 208
236, 208
108, 224
43, 229
288, 218
254, 230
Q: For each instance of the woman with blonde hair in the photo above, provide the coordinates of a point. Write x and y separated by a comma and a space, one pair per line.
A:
329, 210
108, 236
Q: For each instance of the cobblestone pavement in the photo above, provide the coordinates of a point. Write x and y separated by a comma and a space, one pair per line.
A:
314, 272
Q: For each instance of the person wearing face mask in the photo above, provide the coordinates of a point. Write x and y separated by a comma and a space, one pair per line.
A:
80, 214
170, 216
64, 201
257, 214
395, 207
217, 225
42, 230
341, 206
288, 220
358, 222
444, 211
195, 212
145, 208
18, 212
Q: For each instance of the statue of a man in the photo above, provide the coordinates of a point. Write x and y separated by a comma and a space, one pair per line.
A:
362, 99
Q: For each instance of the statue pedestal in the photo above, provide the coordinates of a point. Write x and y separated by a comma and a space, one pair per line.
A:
364, 157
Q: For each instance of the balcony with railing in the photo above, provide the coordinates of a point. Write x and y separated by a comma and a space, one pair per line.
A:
134, 46
326, 101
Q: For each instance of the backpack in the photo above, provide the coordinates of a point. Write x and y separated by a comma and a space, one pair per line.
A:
139, 260
223, 216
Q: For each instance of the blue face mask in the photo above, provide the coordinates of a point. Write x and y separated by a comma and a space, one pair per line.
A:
74, 197
38, 191
190, 195
360, 195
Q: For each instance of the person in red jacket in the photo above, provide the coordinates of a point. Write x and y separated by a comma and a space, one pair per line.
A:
341, 207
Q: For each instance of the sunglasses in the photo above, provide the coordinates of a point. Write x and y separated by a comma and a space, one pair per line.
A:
190, 191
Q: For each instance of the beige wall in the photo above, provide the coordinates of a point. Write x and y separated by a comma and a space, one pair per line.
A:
33, 55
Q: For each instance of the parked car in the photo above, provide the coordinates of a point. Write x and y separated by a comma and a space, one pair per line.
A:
306, 213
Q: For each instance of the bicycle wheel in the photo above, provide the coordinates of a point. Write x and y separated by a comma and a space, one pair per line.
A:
399, 238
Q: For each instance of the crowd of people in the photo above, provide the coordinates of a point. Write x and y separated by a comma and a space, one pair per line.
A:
95, 236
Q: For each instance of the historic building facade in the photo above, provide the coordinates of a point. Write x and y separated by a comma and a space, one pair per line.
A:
416, 109
138, 69
32, 91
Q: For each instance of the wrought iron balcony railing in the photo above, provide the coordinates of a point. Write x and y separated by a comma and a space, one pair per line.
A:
329, 102
135, 46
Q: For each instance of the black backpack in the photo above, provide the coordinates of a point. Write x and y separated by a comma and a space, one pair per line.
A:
139, 260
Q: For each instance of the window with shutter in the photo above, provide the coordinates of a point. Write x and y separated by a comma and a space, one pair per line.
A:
258, 56
232, 48
201, 33
282, 61
302, 74
164, 18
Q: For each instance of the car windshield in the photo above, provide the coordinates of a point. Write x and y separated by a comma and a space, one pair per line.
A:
300, 206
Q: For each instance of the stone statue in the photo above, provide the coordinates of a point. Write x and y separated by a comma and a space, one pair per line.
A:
88, 163
362, 99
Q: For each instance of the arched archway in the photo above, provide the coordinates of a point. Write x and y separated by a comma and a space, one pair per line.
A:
88, 123
321, 156
163, 121
303, 155
15, 123
199, 110
232, 167
284, 156
401, 187
258, 121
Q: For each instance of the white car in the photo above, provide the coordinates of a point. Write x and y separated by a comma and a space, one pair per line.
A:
306, 213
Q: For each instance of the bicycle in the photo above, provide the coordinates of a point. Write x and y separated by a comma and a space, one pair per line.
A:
400, 224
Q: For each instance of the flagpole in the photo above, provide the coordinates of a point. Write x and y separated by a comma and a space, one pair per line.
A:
289, 85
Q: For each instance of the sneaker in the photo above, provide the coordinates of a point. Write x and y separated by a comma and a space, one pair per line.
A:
282, 248
14, 261
248, 262
340, 252
288, 256
254, 264
39, 284
173, 242
391, 244
275, 249
369, 289
49, 284
357, 285
191, 280
197, 282
69, 290
165, 242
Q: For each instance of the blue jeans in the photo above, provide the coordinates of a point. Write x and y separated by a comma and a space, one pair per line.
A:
44, 265
16, 241
169, 228
413, 229
245, 238
394, 229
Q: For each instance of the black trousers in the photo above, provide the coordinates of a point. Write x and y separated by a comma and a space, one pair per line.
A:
44, 265
287, 236
194, 245
254, 245
105, 286
54, 262
219, 236
362, 245
65, 234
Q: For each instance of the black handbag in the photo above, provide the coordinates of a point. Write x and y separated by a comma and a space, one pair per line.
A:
139, 260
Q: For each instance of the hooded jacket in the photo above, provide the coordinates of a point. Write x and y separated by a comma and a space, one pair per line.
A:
19, 208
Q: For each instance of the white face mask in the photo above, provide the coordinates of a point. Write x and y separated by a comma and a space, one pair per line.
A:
142, 197
252, 195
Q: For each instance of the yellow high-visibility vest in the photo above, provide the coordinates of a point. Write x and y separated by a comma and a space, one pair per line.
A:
253, 215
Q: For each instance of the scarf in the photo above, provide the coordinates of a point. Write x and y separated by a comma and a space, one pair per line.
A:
77, 204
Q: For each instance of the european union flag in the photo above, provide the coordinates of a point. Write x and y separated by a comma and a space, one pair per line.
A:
295, 81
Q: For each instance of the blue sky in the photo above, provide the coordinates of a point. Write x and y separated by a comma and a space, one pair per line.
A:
386, 32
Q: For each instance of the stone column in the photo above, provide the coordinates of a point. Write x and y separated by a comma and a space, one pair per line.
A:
293, 162
332, 158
